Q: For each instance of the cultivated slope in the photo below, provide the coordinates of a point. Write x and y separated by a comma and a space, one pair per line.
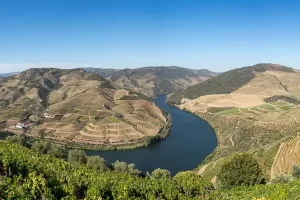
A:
224, 83
153, 81
252, 109
76, 107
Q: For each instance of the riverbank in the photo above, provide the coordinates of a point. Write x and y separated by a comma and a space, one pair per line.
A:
185, 142
163, 133
211, 155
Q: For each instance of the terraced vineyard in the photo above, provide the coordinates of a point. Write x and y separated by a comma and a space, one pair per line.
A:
81, 109
287, 156
256, 116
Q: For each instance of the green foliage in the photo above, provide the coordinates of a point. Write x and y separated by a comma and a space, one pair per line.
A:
43, 147
77, 156
57, 151
296, 171
191, 183
29, 175
281, 178
15, 139
259, 192
242, 169
125, 168
160, 173
40, 146
98, 163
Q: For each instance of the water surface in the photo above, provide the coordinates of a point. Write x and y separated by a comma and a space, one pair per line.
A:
190, 141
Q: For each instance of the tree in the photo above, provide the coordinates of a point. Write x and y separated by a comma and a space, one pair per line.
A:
296, 171
191, 183
126, 168
15, 139
160, 173
77, 156
40, 146
57, 151
281, 178
242, 169
120, 166
132, 170
98, 163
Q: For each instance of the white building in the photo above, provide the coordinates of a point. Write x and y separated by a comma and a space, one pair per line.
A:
20, 126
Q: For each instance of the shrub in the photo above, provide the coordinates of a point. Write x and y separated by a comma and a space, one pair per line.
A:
57, 151
15, 139
282, 179
242, 169
296, 171
40, 146
191, 183
77, 156
96, 162
160, 173
125, 168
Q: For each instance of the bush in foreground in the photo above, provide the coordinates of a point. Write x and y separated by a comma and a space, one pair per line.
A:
29, 175
242, 169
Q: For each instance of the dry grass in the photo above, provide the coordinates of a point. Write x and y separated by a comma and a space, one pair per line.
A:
90, 113
287, 156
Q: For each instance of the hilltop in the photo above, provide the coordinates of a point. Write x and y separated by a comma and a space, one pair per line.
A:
226, 82
153, 81
253, 109
78, 108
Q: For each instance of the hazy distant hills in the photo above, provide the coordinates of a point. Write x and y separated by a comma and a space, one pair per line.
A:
104, 72
8, 74
153, 81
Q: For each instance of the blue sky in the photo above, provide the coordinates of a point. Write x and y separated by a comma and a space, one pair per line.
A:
213, 34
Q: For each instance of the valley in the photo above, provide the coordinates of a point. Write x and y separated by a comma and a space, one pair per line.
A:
253, 110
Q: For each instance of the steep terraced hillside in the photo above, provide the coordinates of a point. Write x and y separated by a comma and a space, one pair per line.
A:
288, 155
254, 113
77, 108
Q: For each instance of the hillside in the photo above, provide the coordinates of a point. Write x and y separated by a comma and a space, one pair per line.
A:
252, 109
78, 108
224, 83
102, 71
153, 81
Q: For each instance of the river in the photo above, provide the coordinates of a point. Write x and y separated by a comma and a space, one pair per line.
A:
191, 139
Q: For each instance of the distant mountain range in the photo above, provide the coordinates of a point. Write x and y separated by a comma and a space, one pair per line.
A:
8, 74
153, 81
150, 81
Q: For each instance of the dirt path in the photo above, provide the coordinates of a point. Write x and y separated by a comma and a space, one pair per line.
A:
231, 141
202, 169
276, 108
